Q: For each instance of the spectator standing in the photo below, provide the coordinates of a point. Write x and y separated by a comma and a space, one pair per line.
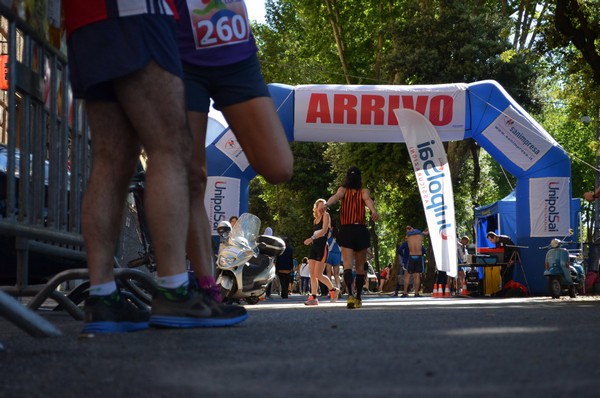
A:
383, 277
462, 255
284, 265
269, 232
403, 257
414, 267
304, 276
126, 66
334, 257
506, 243
354, 237
294, 276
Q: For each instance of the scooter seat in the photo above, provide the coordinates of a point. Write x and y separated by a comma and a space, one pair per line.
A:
270, 245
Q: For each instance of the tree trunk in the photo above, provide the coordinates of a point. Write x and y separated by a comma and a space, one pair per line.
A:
338, 34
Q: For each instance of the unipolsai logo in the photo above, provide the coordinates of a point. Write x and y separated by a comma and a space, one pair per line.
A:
217, 202
432, 179
552, 209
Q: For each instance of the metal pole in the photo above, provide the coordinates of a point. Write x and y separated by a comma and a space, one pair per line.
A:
597, 180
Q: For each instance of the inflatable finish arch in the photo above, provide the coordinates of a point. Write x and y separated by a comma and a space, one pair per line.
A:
483, 111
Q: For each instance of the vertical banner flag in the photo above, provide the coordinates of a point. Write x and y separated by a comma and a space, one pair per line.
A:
433, 178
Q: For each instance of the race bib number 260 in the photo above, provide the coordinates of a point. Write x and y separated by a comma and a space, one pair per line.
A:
218, 23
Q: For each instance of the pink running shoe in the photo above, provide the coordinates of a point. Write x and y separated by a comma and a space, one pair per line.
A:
312, 301
334, 295
210, 287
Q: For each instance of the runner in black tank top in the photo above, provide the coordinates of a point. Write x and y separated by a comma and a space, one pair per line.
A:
318, 253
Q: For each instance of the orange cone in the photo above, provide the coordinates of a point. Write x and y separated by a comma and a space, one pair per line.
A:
464, 291
436, 291
447, 292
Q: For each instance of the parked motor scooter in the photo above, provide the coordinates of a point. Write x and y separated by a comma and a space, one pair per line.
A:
245, 262
563, 271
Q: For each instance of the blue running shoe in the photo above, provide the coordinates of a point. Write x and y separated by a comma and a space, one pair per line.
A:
113, 314
192, 308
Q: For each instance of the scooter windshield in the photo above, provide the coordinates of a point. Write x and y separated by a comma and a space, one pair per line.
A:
245, 231
557, 257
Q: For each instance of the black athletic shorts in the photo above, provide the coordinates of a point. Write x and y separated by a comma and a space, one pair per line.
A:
354, 236
226, 85
318, 249
106, 50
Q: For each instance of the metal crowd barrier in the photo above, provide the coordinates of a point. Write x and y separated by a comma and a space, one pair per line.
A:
46, 152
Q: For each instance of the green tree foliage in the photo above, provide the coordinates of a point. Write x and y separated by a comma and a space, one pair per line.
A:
579, 22
570, 50
322, 42
528, 19
465, 42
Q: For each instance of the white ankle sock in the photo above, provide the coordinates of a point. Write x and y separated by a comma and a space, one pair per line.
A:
103, 289
173, 281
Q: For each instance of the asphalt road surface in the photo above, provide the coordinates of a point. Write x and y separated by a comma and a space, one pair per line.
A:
394, 347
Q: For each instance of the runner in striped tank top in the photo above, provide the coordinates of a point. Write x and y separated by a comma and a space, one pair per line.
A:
354, 237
